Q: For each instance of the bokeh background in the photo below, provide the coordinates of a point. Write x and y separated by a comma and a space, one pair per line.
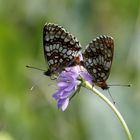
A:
33, 115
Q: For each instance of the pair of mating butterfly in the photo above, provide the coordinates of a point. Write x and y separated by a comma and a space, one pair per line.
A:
62, 50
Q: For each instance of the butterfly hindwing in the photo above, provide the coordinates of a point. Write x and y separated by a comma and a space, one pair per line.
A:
60, 47
97, 58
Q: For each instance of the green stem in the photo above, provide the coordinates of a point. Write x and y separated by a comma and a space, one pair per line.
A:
119, 116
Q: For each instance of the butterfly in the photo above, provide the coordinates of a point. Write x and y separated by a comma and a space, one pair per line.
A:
97, 59
60, 48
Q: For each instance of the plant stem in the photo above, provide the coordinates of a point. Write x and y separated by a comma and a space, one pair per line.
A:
114, 109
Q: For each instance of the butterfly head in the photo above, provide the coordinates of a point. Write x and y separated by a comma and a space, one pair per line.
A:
102, 84
48, 73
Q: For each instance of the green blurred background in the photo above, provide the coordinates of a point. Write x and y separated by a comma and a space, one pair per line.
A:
33, 115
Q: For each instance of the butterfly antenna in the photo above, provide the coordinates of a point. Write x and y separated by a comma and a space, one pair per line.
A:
35, 83
31, 67
111, 97
127, 85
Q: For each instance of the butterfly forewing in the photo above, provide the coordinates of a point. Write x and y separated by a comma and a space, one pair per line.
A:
97, 58
60, 47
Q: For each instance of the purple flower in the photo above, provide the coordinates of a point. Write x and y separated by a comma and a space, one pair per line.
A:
68, 83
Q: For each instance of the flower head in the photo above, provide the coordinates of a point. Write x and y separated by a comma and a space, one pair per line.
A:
68, 83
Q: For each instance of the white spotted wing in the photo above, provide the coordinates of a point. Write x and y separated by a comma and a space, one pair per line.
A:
97, 58
60, 47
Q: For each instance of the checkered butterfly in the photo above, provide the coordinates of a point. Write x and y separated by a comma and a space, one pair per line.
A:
98, 57
60, 48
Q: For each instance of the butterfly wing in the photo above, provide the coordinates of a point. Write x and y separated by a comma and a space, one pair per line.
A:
97, 59
60, 47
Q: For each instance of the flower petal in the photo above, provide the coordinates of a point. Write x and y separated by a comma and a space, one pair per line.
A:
63, 103
62, 84
66, 94
70, 87
86, 76
58, 94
